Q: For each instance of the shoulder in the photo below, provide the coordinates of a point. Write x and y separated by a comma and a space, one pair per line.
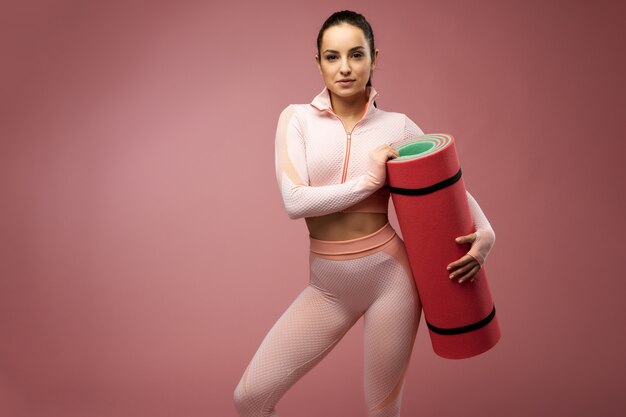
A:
394, 114
391, 116
295, 108
293, 111
409, 126
291, 122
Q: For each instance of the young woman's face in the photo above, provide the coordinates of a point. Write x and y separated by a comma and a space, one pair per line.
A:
345, 55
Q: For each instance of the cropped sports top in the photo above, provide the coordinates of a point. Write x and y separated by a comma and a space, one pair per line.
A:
321, 168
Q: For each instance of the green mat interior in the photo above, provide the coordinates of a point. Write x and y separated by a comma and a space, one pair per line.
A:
415, 148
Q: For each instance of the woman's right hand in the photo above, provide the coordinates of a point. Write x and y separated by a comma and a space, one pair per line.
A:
377, 170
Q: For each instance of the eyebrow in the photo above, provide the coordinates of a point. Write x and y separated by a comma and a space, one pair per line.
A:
351, 49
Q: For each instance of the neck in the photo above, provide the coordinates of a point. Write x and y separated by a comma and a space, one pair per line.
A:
349, 107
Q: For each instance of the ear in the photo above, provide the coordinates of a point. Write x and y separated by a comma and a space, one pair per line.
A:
375, 59
319, 66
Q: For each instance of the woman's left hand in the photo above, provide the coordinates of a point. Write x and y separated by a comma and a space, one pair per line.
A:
466, 267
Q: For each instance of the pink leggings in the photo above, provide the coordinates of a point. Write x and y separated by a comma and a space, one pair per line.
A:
368, 276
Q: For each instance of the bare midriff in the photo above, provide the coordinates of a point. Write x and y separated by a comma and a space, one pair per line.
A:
345, 226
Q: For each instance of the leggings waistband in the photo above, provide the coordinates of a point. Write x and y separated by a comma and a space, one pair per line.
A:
360, 244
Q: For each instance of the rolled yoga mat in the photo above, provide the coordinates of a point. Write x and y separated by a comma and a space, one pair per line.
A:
432, 209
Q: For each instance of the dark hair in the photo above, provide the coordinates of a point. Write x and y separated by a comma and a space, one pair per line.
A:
354, 19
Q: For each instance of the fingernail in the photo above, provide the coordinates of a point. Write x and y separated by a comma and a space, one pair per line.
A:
448, 268
451, 276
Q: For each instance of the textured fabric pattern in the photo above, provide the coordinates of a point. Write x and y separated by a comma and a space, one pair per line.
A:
321, 168
480, 220
378, 286
485, 235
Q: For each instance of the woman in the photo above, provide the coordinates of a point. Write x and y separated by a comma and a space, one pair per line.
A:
330, 167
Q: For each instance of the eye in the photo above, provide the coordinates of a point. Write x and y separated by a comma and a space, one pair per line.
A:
330, 57
358, 55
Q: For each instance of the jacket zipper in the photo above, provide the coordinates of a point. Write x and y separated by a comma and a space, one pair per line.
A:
346, 158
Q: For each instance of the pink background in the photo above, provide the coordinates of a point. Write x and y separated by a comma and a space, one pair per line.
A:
144, 249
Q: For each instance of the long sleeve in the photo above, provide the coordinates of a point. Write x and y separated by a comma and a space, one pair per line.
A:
485, 236
480, 220
299, 197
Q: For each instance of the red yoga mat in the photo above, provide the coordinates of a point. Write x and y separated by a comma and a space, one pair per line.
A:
432, 209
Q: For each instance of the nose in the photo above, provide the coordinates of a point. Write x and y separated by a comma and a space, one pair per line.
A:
345, 68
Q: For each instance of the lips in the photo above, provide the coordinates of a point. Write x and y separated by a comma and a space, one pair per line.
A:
345, 83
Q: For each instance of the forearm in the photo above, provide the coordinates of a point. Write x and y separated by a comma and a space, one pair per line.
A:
479, 218
485, 235
310, 201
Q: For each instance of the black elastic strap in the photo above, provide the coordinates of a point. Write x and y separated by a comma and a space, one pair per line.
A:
464, 329
427, 190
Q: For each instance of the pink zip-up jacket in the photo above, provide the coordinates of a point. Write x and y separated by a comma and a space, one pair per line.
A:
321, 168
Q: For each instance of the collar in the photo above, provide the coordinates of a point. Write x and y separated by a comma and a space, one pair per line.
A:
322, 100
